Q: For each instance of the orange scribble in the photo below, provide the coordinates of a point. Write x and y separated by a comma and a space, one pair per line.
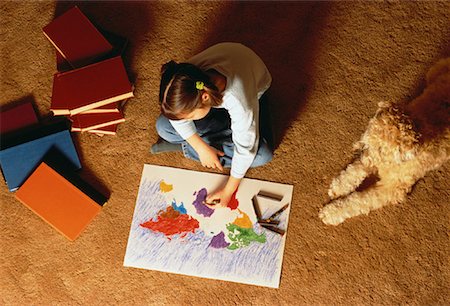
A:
165, 187
243, 221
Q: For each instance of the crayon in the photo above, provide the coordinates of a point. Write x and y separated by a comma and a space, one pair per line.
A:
274, 229
278, 212
256, 208
270, 196
268, 222
214, 202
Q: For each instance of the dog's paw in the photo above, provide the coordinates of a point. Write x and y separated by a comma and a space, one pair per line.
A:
330, 215
332, 193
337, 189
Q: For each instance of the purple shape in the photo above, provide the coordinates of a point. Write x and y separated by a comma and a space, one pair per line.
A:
201, 208
218, 241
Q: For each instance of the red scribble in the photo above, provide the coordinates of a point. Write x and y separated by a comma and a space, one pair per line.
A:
168, 225
234, 203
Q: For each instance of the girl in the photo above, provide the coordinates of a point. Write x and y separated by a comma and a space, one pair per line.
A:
210, 111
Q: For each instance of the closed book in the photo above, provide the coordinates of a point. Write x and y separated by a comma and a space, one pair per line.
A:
61, 64
21, 154
16, 117
59, 162
106, 130
90, 87
85, 122
57, 201
118, 43
76, 38
109, 108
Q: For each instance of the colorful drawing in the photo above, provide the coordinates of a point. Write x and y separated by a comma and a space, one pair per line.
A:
174, 231
165, 187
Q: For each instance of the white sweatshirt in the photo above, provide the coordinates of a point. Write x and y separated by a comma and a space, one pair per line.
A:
247, 79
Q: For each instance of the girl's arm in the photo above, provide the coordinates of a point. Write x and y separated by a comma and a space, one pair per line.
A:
224, 195
206, 153
208, 158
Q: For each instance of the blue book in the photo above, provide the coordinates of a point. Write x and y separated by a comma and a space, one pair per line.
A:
21, 154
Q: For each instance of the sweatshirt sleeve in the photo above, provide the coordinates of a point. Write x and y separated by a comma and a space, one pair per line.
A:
186, 128
245, 137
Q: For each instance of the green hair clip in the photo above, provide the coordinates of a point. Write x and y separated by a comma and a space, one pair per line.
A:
199, 85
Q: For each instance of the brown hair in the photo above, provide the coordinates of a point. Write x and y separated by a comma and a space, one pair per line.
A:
178, 94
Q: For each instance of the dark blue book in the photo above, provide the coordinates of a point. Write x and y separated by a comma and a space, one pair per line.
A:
20, 155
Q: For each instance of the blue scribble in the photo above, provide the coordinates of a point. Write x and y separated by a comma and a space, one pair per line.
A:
179, 208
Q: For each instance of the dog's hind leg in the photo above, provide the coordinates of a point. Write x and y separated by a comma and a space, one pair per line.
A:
348, 180
358, 203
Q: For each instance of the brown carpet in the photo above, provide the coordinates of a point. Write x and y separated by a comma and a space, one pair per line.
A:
331, 64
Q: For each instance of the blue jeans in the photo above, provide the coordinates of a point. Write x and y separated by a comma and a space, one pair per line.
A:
215, 130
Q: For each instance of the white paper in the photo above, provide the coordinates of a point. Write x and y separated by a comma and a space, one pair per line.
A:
193, 251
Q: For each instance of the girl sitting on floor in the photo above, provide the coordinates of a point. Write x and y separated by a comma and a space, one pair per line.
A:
210, 112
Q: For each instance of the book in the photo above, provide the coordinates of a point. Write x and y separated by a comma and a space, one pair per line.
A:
22, 153
61, 64
85, 122
76, 38
118, 43
57, 201
59, 162
90, 87
108, 108
17, 116
106, 130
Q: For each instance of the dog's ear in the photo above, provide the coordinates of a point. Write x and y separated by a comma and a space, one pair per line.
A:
439, 69
384, 104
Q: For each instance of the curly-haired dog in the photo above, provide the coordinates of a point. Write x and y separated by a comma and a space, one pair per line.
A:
401, 144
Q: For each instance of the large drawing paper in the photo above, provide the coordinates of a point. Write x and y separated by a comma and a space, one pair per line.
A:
173, 231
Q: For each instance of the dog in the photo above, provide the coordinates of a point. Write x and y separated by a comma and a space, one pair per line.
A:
400, 145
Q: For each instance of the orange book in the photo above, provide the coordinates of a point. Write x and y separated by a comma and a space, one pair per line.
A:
90, 87
86, 122
57, 201
76, 38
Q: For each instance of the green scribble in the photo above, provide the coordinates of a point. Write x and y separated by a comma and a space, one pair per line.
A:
242, 237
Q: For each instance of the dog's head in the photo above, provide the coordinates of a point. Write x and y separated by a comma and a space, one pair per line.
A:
430, 112
391, 135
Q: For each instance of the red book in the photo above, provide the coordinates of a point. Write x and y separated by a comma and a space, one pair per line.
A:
109, 108
67, 207
85, 122
106, 130
90, 87
76, 38
119, 44
16, 117
61, 63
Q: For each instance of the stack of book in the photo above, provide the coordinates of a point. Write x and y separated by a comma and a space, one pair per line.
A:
91, 84
40, 162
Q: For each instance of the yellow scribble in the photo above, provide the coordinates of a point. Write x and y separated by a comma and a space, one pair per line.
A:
165, 187
243, 221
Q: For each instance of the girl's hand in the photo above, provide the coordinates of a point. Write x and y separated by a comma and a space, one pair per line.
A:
221, 195
206, 153
209, 157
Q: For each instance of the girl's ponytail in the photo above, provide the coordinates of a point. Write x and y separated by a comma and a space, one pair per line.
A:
180, 90
169, 67
168, 70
